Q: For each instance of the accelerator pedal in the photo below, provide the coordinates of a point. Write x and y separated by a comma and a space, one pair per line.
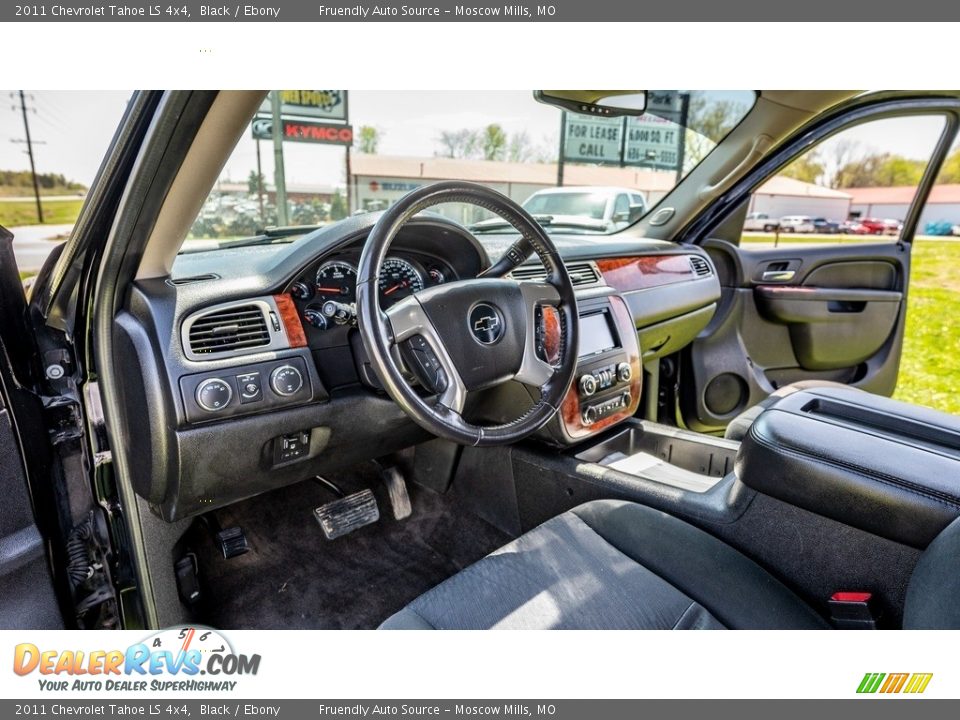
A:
347, 514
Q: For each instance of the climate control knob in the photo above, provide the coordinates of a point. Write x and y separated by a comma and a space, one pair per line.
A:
214, 394
588, 385
624, 372
286, 380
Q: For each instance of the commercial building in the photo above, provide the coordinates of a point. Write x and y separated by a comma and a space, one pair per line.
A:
943, 205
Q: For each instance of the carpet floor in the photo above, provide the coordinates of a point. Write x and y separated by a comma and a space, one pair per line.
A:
293, 577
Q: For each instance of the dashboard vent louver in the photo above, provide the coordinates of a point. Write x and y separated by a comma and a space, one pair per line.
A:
700, 266
581, 273
234, 328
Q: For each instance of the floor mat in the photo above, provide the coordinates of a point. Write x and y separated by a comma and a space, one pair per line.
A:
293, 578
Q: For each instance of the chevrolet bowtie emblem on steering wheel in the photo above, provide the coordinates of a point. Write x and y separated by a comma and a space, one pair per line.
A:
486, 323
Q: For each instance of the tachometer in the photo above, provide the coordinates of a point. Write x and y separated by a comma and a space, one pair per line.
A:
337, 280
398, 279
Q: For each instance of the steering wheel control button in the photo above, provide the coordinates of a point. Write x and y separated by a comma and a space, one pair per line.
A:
214, 394
286, 380
486, 324
624, 372
250, 387
588, 385
426, 365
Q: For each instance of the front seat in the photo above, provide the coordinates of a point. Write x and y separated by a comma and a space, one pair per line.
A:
607, 565
611, 564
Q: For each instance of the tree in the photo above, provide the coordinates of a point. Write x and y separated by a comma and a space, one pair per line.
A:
950, 172
338, 206
880, 170
707, 124
808, 168
458, 143
494, 141
368, 139
255, 182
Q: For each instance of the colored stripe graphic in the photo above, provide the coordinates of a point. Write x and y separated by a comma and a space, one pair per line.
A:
913, 683
870, 682
918, 682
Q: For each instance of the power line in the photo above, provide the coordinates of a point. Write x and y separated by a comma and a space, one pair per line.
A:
29, 142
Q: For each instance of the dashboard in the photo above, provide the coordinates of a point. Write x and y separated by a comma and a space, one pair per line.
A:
247, 371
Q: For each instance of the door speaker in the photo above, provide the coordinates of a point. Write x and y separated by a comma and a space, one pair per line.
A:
725, 394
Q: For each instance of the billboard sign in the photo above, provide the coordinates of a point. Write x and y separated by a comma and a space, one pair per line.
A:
313, 104
653, 140
308, 131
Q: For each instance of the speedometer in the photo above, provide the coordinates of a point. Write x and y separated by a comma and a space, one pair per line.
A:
398, 279
337, 280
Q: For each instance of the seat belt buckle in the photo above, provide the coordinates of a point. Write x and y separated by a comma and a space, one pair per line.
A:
851, 610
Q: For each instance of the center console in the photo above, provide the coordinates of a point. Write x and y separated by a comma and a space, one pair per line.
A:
880, 465
606, 388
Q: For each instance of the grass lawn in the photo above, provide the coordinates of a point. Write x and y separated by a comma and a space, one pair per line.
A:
55, 212
930, 367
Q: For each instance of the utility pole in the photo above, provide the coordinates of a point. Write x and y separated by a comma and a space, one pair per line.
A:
33, 168
263, 217
279, 174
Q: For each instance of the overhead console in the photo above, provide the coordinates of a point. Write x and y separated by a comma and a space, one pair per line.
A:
883, 466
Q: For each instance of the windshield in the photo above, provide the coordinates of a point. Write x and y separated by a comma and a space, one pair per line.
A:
336, 153
581, 204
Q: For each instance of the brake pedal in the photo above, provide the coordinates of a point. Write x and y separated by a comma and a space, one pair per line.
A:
347, 514
397, 489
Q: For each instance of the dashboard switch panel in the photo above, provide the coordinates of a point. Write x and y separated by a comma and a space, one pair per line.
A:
245, 389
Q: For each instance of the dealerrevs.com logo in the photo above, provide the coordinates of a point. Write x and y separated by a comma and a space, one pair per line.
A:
892, 683
173, 659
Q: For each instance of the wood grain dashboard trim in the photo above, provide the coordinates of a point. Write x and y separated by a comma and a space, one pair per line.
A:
627, 274
570, 407
291, 321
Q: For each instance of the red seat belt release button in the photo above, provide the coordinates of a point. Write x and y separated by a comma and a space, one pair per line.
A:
852, 610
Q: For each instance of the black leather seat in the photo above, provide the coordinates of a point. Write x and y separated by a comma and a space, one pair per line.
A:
611, 564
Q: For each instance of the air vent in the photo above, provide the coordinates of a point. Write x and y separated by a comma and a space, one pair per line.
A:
700, 266
581, 273
231, 329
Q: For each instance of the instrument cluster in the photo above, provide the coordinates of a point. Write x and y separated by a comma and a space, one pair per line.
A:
328, 296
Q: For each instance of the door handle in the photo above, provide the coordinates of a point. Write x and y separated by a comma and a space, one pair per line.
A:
778, 275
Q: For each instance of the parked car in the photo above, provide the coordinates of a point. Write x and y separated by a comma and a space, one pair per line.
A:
760, 222
873, 226
941, 228
827, 227
797, 224
583, 208
892, 226
853, 227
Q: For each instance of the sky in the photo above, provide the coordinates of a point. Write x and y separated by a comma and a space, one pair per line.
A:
75, 128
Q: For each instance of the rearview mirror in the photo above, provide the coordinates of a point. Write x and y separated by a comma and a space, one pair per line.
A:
605, 103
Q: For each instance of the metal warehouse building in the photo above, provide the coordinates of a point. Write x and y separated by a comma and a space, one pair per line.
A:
781, 196
893, 202
377, 181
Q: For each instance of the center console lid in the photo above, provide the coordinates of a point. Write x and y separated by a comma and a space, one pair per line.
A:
877, 464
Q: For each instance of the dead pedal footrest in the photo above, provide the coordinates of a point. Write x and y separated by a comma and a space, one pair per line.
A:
347, 514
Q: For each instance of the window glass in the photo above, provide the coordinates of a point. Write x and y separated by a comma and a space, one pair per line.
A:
374, 147
856, 186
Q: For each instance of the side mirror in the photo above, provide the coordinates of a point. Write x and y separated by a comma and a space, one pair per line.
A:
636, 212
602, 103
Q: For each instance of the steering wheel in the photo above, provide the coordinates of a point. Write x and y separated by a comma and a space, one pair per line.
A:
468, 335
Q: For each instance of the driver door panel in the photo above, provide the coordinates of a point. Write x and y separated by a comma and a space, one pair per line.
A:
787, 314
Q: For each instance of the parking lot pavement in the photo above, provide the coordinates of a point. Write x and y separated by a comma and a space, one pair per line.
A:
33, 243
